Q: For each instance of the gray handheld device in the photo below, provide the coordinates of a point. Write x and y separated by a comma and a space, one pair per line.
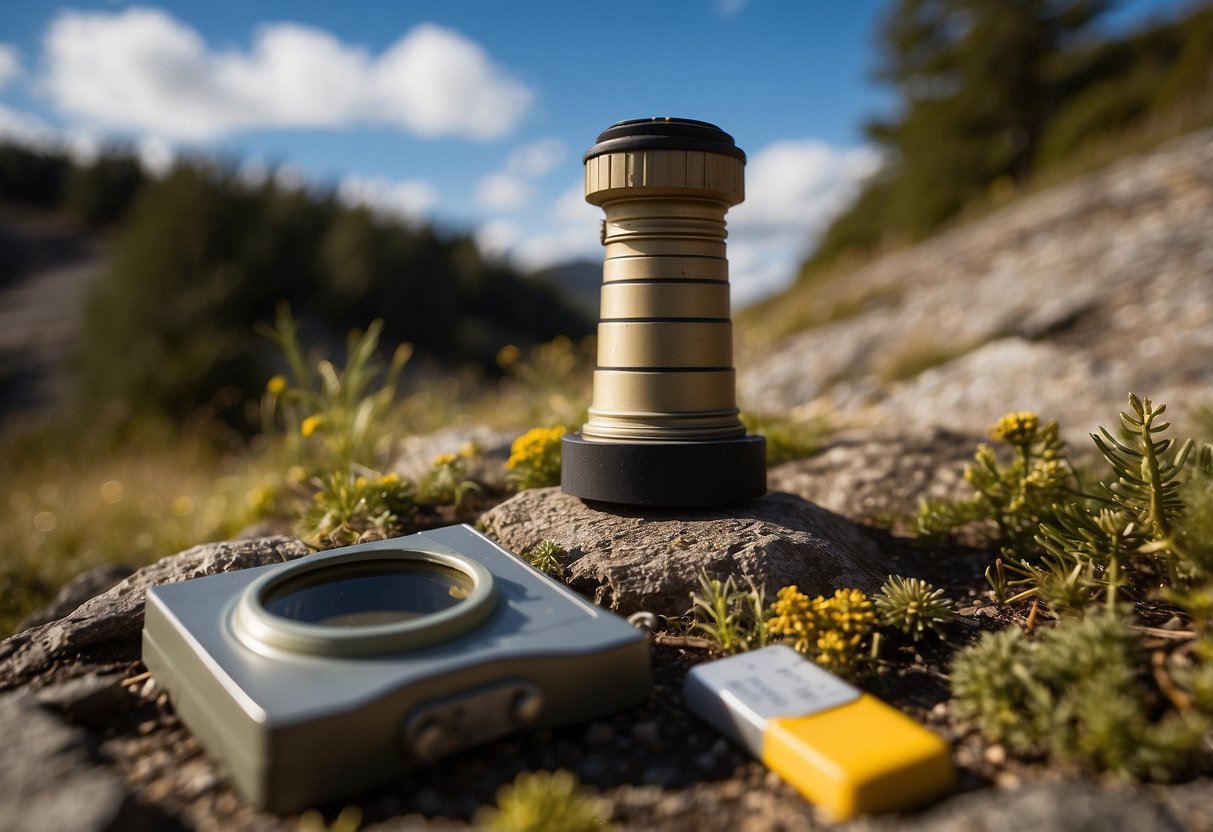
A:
317, 678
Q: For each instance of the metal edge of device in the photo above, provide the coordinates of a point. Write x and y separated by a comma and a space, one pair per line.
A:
259, 628
206, 699
267, 760
575, 688
699, 474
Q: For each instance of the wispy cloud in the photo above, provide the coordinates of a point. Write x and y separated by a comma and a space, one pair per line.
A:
503, 192
571, 233
410, 199
141, 69
10, 64
794, 188
538, 158
511, 187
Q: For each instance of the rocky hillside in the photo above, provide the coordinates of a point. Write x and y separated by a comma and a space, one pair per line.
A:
1061, 302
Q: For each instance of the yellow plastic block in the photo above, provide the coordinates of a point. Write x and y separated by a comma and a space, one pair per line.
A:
861, 757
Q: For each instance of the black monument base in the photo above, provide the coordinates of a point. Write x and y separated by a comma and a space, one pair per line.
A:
665, 474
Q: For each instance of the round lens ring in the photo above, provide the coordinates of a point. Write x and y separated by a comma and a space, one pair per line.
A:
368, 593
367, 602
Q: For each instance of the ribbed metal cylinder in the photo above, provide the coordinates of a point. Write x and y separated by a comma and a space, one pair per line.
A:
665, 337
663, 427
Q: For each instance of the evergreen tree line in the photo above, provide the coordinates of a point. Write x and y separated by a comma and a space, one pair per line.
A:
199, 256
992, 93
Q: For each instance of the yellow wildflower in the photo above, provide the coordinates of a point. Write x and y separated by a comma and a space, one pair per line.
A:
535, 458
467, 450
311, 425
276, 386
389, 479
831, 630
444, 459
507, 356
1018, 428
360, 482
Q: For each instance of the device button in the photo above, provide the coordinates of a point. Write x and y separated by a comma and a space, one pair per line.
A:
443, 726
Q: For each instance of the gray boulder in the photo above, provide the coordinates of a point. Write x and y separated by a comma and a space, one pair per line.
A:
880, 475
637, 559
107, 627
75, 592
48, 779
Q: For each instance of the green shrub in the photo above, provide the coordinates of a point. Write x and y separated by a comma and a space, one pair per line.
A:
913, 606
545, 801
447, 483
786, 439
1068, 546
1015, 496
735, 619
1077, 693
547, 556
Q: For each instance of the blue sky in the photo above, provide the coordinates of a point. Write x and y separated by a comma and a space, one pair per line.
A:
471, 115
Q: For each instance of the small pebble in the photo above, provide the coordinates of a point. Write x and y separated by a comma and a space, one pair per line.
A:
593, 768
647, 734
661, 776
1007, 781
995, 755
427, 801
599, 733
198, 780
674, 804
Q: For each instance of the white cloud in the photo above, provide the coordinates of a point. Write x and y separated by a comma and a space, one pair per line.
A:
496, 238
25, 129
794, 188
10, 64
798, 186
142, 69
510, 188
409, 199
537, 158
30, 131
571, 208
156, 156
571, 234
728, 8
560, 245
503, 192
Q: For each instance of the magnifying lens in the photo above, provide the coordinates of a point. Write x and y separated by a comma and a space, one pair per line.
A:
382, 602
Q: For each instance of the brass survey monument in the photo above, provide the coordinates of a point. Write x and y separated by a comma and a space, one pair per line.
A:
663, 429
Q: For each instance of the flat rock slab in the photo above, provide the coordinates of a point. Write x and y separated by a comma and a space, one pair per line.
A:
1055, 806
106, 629
643, 559
880, 475
49, 778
